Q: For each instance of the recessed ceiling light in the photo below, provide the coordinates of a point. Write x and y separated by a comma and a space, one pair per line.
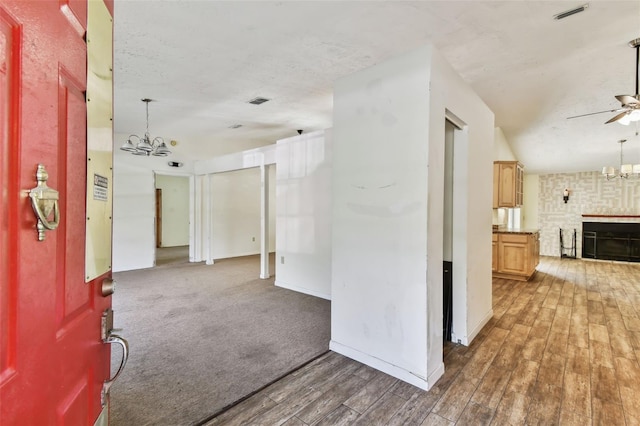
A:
258, 100
571, 12
235, 126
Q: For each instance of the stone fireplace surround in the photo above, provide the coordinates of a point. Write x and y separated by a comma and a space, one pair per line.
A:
591, 195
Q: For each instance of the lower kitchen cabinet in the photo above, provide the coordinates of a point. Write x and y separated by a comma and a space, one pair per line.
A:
494, 250
515, 255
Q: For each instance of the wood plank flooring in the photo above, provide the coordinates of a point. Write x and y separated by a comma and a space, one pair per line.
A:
563, 348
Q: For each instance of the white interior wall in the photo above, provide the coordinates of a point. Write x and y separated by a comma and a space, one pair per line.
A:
134, 197
302, 188
236, 212
303, 227
133, 217
473, 190
501, 147
379, 252
530, 196
387, 199
175, 209
134, 207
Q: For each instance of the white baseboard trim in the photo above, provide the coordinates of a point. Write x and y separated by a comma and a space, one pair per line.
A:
466, 340
303, 290
232, 255
433, 377
480, 325
385, 367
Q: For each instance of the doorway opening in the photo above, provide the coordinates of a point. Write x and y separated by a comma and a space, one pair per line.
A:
172, 219
447, 230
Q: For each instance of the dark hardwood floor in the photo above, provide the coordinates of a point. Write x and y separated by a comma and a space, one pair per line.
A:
562, 348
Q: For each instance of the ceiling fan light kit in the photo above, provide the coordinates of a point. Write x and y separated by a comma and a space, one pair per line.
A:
630, 104
629, 117
145, 145
629, 110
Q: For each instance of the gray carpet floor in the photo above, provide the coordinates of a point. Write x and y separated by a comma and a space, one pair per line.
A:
202, 337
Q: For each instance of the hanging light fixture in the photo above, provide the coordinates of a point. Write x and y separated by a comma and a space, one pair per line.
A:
626, 170
144, 145
636, 167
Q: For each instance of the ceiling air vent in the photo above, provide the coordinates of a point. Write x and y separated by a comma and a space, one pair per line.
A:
570, 12
258, 100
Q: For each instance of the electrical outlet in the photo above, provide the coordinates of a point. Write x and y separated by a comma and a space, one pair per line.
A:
282, 260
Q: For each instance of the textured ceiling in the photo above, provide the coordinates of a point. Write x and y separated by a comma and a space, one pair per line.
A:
203, 60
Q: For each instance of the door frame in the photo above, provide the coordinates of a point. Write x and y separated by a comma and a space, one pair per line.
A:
459, 275
158, 217
192, 210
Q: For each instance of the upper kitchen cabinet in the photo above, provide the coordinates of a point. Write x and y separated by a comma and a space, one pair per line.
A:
508, 179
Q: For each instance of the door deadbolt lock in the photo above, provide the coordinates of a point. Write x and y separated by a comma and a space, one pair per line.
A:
44, 201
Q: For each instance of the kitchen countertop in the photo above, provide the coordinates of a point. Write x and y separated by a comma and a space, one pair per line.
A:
504, 230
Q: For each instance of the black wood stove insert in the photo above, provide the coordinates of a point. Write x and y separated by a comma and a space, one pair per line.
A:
611, 241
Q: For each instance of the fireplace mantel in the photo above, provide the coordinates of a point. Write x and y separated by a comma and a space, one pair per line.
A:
625, 216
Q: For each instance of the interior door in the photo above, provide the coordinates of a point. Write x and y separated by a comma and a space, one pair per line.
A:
52, 360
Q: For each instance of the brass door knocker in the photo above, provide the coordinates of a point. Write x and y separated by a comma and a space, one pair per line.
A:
44, 201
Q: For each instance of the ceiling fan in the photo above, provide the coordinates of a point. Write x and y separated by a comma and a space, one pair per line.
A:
629, 104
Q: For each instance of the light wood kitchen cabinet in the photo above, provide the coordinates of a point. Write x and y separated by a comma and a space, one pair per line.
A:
508, 184
494, 251
535, 253
515, 255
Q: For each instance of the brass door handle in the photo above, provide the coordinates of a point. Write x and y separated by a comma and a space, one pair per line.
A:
44, 201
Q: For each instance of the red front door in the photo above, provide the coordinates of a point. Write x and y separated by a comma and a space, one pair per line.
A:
52, 361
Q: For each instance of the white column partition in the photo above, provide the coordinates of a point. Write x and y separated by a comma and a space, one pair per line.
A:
198, 232
264, 221
388, 190
207, 204
192, 219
